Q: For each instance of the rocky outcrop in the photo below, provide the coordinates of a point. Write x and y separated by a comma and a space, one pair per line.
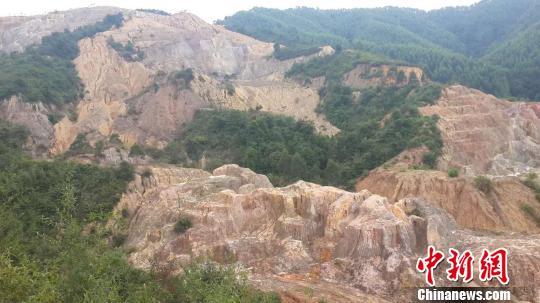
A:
33, 116
367, 75
303, 233
497, 210
483, 134
109, 80
345, 247
16, 33
229, 71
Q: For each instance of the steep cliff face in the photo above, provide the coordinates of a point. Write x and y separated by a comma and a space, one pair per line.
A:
229, 71
346, 247
483, 134
497, 210
34, 116
303, 232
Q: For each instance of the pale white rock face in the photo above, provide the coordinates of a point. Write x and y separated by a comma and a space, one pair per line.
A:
16, 33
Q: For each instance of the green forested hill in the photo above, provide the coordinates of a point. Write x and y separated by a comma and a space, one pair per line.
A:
55, 246
521, 55
487, 23
485, 46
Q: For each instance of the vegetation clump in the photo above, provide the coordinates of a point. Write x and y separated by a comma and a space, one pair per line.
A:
128, 51
153, 11
79, 146
453, 173
147, 173
288, 150
182, 225
136, 151
529, 210
285, 53
182, 79
483, 184
532, 183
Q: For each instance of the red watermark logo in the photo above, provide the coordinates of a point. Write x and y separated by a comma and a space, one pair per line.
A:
492, 265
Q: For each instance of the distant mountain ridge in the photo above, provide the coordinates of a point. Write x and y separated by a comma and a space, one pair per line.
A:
456, 44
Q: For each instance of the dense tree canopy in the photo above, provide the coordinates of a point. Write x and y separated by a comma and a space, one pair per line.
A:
477, 46
287, 150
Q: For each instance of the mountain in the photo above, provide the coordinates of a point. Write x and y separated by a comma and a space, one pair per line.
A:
289, 156
451, 44
185, 59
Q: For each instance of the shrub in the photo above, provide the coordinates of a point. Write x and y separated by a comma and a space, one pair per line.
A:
136, 150
286, 53
115, 139
72, 115
55, 117
98, 148
400, 77
118, 240
182, 225
229, 87
182, 79
128, 51
430, 159
531, 183
125, 172
209, 282
483, 184
12, 136
79, 146
527, 209
147, 173
453, 172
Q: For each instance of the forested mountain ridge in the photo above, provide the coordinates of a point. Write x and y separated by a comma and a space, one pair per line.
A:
453, 45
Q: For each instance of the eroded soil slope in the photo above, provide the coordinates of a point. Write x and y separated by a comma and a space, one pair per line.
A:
486, 135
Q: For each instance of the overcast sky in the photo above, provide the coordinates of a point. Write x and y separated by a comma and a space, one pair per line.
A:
211, 10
